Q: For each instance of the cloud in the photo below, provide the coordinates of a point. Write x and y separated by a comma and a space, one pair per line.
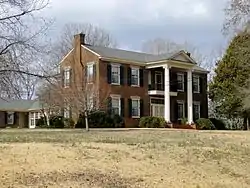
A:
133, 21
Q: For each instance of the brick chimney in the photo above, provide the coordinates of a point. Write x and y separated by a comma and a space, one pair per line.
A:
79, 39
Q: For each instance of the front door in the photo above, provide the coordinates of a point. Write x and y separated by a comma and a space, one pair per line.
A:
157, 110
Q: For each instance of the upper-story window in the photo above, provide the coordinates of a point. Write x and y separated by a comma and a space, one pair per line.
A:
135, 77
66, 77
180, 81
90, 72
196, 84
115, 74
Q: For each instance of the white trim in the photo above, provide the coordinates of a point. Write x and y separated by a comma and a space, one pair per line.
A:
182, 52
85, 47
115, 96
183, 82
135, 97
158, 92
66, 56
197, 77
138, 71
90, 63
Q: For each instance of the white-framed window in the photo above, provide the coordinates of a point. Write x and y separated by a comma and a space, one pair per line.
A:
197, 110
66, 77
181, 109
115, 74
135, 76
180, 82
10, 118
135, 107
116, 105
196, 84
90, 72
34, 117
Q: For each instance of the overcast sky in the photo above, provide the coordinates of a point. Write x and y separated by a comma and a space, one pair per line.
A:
133, 21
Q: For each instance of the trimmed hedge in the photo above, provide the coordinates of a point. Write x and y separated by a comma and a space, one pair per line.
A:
204, 124
55, 122
152, 122
218, 123
100, 119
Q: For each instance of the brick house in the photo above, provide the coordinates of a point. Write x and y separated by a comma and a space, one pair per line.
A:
139, 84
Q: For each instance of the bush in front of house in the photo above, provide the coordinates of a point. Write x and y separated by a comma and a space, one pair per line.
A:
69, 123
218, 123
152, 122
100, 119
56, 122
204, 124
42, 123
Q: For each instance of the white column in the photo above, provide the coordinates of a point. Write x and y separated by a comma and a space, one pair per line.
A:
190, 96
167, 94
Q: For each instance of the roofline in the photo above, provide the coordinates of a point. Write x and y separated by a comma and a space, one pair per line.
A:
66, 56
85, 47
140, 63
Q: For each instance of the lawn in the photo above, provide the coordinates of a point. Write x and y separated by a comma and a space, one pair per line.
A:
121, 159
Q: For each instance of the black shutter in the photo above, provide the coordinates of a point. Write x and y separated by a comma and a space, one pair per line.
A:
201, 111
129, 76
122, 107
70, 77
62, 111
176, 111
109, 73
6, 117
201, 83
173, 81
141, 108
109, 105
70, 112
129, 107
94, 73
193, 84
141, 75
185, 82
186, 109
62, 78
121, 75
15, 118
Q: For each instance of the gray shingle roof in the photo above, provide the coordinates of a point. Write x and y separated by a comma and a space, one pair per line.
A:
134, 56
19, 105
127, 55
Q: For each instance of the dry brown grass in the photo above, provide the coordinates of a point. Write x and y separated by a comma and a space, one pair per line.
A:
121, 159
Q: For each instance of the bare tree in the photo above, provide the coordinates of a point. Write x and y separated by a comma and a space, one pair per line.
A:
160, 46
20, 41
94, 35
237, 15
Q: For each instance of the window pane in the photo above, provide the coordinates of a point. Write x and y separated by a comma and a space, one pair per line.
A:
180, 80
196, 84
135, 107
115, 103
180, 111
134, 77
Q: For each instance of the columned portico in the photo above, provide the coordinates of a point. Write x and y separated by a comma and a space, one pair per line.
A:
190, 96
167, 93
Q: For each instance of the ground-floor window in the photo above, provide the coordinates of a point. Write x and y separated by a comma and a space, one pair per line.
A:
116, 105
10, 118
34, 117
197, 110
136, 107
181, 109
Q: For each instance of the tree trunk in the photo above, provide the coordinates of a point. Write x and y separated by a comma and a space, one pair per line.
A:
86, 121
